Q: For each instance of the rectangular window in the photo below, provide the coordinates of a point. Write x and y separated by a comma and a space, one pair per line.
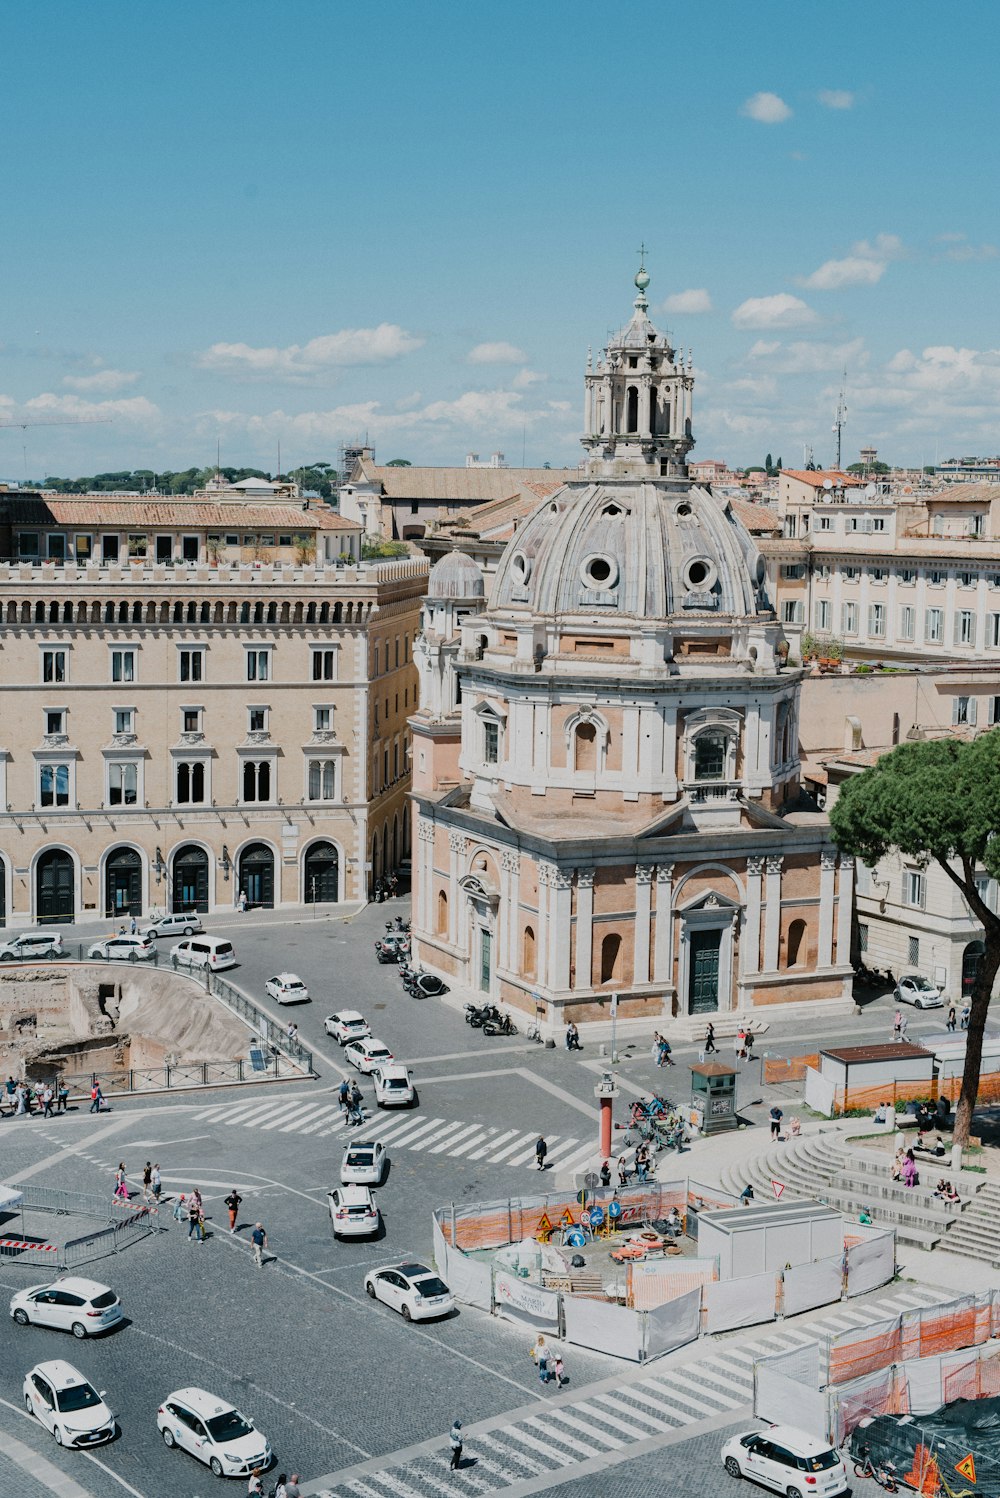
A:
284, 540
324, 665
123, 784
124, 720
491, 743
965, 627
849, 614
823, 614
792, 611
54, 665
914, 888
878, 522
258, 665
53, 785
937, 579
27, 545
109, 548
165, 549
257, 719
907, 575
192, 664
56, 547
322, 719
824, 522
793, 570
191, 720
913, 950
863, 878
232, 540
82, 548
966, 579
123, 665
850, 574
322, 779
862, 936
138, 546
190, 548
877, 574
993, 629
933, 626
55, 720
876, 620
907, 617
963, 712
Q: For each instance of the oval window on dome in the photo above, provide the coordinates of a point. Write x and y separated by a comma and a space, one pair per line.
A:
683, 510
520, 565
699, 575
599, 572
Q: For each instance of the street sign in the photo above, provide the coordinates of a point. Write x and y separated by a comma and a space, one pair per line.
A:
614, 1208
777, 1187
596, 1216
967, 1467
614, 1005
591, 1181
586, 1219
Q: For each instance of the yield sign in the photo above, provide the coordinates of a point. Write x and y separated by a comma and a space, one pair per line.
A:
777, 1187
967, 1467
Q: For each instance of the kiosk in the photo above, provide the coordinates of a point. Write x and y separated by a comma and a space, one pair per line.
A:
713, 1097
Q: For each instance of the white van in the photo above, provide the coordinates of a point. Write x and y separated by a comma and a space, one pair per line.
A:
205, 951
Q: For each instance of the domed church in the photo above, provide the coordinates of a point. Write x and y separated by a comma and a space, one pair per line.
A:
606, 784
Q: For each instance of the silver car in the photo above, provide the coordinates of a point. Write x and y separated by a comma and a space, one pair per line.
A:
915, 989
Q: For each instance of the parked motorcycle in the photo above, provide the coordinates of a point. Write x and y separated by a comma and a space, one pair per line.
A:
484, 1014
504, 1026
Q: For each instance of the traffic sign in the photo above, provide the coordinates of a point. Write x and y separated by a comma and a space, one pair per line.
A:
967, 1467
587, 1219
597, 1216
777, 1187
614, 1208
591, 1181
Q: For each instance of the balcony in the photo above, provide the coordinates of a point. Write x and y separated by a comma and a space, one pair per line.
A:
705, 792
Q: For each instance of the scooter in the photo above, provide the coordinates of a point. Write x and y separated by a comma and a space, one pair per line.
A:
484, 1014
504, 1026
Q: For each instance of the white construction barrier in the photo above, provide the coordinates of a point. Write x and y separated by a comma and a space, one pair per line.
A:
673, 1324
517, 1300
605, 1328
806, 1286
745, 1302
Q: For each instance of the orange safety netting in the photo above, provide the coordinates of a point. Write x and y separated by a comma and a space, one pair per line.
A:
788, 1069
854, 1355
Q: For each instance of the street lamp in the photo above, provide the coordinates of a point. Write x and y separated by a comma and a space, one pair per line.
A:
225, 864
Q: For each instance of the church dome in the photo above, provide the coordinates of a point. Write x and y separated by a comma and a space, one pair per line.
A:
455, 576
641, 549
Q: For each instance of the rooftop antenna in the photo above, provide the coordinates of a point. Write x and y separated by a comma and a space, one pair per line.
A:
841, 421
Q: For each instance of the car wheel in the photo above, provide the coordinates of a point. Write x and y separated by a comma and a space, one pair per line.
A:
28, 1404
793, 1493
168, 1438
57, 1435
21, 1317
406, 1314
188, 930
216, 1466
78, 1329
370, 1288
733, 1467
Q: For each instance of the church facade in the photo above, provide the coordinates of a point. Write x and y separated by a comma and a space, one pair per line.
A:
606, 796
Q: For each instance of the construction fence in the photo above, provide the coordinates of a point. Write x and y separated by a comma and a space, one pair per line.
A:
643, 1308
910, 1364
118, 1224
826, 1097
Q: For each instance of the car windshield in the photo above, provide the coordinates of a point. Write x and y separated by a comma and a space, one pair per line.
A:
224, 948
923, 984
360, 1157
228, 1427
395, 1081
431, 1286
821, 1462
379, 1050
295, 983
79, 1397
101, 1302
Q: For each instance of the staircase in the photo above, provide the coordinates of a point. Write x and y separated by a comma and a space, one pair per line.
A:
976, 1235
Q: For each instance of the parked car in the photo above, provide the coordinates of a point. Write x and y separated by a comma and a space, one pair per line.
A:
71, 1304
352, 1211
914, 988
205, 951
786, 1459
366, 1054
176, 924
413, 1290
59, 1396
213, 1431
123, 949
364, 1164
287, 988
393, 1088
347, 1025
32, 946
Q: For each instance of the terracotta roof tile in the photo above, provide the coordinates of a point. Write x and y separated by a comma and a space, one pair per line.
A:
453, 484
134, 513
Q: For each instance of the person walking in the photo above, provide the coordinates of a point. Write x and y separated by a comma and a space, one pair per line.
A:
709, 1046
344, 1096
194, 1214
455, 1441
740, 1043
180, 1208
46, 1096
156, 1183
541, 1150
540, 1354
63, 1097
559, 1371
259, 1240
292, 1489
233, 1201
665, 1057
748, 1043
147, 1181
966, 1015
133, 928
775, 1117
202, 1232
952, 1018
903, 1023
96, 1098
280, 1489
121, 1185
241, 903
255, 1487
897, 1025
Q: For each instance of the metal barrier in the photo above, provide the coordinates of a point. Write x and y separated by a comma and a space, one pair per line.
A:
122, 1223
272, 1034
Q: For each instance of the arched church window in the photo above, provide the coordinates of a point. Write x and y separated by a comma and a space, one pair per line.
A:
796, 944
632, 409
611, 958
585, 746
710, 756
442, 913
528, 953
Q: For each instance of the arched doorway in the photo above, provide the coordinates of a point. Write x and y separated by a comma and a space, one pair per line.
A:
971, 960
189, 888
256, 873
122, 883
54, 894
322, 874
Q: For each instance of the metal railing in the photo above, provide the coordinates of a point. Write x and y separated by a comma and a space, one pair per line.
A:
272, 1034
121, 1223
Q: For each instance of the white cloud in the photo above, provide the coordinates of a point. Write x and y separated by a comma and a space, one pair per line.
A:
688, 302
963, 252
496, 353
836, 98
864, 266
766, 109
527, 377
133, 408
779, 311
809, 358
476, 412
105, 381
351, 346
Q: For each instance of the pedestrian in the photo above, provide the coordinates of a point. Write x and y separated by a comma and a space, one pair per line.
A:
902, 1027
746, 1195
46, 1096
572, 1037
344, 1095
966, 1015
202, 1234
180, 1208
709, 1046
775, 1117
280, 1489
605, 1172
134, 926
292, 1489
96, 1098
622, 1171
355, 1112
147, 1181
748, 1043
540, 1353
455, 1440
63, 1097
541, 1150
121, 1185
233, 1201
22, 1100
156, 1182
194, 1214
741, 1043
654, 1049
259, 1240
559, 1371
255, 1488
292, 1032
897, 1025
241, 903
665, 1057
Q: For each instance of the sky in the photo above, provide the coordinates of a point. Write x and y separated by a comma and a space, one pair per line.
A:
309, 222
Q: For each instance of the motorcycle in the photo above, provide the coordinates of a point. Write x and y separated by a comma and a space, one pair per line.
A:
479, 1016
385, 954
504, 1026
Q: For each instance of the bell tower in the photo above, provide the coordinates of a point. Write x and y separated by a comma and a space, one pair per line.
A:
637, 411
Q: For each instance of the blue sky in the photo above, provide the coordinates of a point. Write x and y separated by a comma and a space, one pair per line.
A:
302, 222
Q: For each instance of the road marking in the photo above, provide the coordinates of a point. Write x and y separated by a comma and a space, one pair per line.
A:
324, 1117
518, 1145
412, 1130
70, 1149
447, 1133
477, 1138
464, 1130
298, 1111
507, 1134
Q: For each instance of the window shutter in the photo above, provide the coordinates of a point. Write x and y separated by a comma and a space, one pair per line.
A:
954, 711
972, 711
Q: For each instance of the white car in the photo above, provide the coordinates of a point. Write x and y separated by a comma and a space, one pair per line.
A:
32, 946
123, 948
70, 1304
786, 1459
287, 988
413, 1290
393, 1088
204, 951
915, 989
175, 924
366, 1054
364, 1164
352, 1211
59, 1396
213, 1431
347, 1025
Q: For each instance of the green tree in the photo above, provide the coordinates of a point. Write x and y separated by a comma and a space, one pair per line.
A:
937, 801
768, 463
399, 463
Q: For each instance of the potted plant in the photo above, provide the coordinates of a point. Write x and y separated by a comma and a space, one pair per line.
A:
214, 550
305, 549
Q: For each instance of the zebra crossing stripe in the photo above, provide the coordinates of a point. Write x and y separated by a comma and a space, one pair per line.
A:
446, 1133
298, 1111
510, 1454
604, 1437
560, 1149
529, 1154
632, 1431
463, 1132
715, 1397
572, 1441
625, 1408
466, 1145
254, 1113
324, 1118
415, 1130
498, 1139
545, 1448
509, 1149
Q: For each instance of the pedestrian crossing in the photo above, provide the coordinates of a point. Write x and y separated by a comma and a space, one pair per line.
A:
445, 1138
606, 1418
